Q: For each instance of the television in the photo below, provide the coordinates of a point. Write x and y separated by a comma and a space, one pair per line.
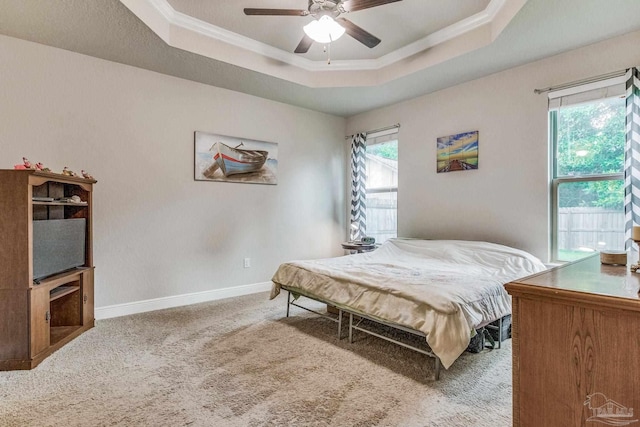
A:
58, 246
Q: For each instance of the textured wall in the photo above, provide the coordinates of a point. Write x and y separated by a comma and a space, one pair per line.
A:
506, 199
158, 232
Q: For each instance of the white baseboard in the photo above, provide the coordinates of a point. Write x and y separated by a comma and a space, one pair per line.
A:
125, 309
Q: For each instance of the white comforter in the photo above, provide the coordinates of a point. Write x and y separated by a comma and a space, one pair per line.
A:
443, 288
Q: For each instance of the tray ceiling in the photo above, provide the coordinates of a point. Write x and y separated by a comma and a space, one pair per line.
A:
396, 24
107, 29
416, 34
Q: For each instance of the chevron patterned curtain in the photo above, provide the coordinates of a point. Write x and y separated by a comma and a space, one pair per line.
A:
632, 154
358, 224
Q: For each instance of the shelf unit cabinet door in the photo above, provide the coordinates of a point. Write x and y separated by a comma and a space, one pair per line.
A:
87, 298
15, 220
14, 324
40, 320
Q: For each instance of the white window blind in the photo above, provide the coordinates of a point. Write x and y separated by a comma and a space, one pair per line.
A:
609, 88
382, 136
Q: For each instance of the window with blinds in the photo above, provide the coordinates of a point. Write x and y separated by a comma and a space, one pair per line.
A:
382, 184
587, 132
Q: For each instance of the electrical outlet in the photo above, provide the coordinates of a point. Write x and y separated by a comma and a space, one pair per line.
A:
247, 262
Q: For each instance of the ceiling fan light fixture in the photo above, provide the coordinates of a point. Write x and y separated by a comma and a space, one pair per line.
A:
324, 30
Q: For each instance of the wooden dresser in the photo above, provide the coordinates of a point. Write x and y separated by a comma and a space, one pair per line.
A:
576, 346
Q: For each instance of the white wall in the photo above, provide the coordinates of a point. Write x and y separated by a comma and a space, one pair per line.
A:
506, 199
157, 232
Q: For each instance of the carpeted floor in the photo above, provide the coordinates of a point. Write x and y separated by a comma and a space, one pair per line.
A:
241, 362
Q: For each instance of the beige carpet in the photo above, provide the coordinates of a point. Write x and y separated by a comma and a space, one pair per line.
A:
240, 362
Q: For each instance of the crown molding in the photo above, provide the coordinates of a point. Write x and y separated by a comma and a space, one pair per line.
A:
441, 36
188, 33
494, 7
217, 33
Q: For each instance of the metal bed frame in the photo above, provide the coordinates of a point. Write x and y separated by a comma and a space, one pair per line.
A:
361, 316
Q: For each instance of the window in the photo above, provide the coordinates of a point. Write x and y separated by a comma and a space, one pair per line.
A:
382, 185
587, 131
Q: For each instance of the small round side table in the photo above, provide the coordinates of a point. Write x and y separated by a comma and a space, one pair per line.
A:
358, 247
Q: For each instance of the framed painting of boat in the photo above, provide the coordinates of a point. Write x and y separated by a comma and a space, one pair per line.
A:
458, 152
230, 159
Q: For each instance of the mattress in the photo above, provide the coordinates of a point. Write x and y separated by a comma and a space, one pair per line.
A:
443, 288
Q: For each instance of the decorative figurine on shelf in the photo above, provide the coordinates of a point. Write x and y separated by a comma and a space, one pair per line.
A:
86, 174
42, 168
635, 236
68, 172
26, 164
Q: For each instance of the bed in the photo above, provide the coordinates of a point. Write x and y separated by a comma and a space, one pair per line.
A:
442, 289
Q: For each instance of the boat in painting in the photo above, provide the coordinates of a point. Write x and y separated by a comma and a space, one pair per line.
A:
235, 160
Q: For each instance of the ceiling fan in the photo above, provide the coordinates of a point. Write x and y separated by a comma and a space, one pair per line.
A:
329, 10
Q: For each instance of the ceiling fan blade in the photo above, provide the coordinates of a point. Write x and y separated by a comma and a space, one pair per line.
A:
304, 45
364, 37
282, 12
353, 5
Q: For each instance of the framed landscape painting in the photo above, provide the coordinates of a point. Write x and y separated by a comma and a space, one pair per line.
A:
230, 159
458, 152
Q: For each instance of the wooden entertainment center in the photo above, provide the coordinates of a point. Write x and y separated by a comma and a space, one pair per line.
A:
39, 316
576, 346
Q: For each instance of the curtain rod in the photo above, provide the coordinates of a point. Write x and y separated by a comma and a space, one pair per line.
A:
397, 125
581, 82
